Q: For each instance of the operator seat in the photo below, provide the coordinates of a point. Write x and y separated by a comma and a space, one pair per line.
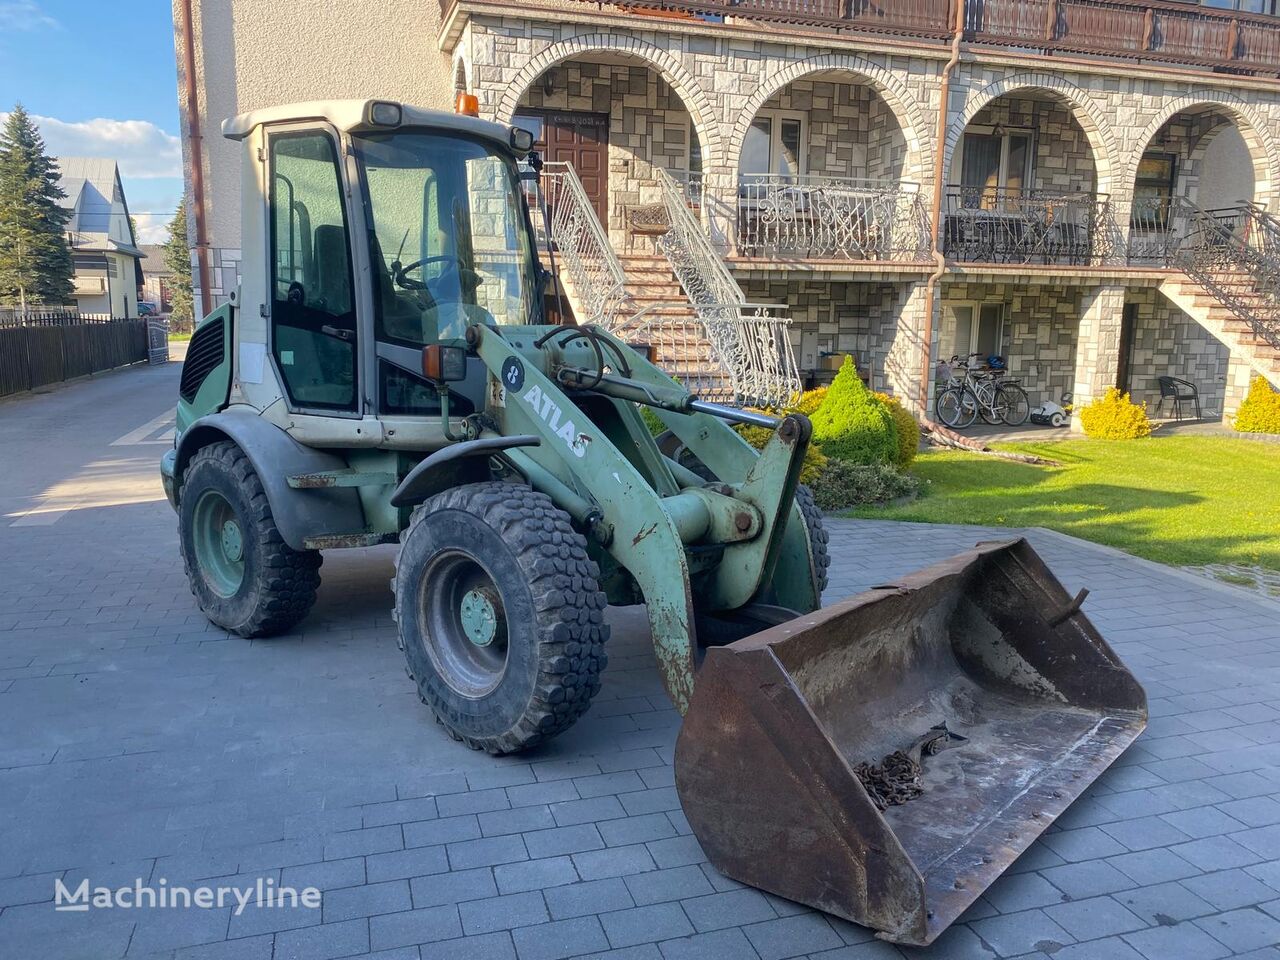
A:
333, 271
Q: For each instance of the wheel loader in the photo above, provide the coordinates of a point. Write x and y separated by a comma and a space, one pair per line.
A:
384, 374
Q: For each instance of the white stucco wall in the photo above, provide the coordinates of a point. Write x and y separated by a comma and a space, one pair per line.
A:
259, 53
1228, 170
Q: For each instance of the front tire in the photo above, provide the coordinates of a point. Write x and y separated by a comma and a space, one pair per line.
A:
956, 407
242, 573
500, 615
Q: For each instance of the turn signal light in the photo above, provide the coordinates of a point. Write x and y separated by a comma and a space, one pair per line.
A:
467, 104
444, 364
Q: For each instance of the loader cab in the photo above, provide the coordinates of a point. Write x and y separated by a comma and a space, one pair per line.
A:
380, 229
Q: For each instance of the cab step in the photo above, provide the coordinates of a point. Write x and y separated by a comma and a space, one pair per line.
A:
342, 478
338, 541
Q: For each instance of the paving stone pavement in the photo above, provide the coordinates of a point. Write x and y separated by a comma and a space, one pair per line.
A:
136, 741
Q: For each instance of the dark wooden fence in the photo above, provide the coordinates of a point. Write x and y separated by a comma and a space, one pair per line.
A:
49, 348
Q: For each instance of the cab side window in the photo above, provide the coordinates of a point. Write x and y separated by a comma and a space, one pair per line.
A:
313, 315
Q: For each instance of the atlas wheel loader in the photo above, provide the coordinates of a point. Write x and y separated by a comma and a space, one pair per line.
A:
385, 375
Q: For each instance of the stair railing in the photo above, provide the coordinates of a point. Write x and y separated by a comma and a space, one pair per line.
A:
750, 340
1265, 231
1234, 254
582, 251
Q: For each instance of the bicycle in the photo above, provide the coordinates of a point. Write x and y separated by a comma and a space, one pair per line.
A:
979, 393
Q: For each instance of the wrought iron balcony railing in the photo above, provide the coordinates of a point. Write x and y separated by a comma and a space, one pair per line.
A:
831, 218
983, 225
1162, 229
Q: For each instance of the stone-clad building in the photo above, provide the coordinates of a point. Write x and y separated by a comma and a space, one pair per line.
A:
1091, 200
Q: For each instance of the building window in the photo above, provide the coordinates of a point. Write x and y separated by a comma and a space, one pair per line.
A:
1153, 190
1244, 6
995, 164
980, 328
695, 150
113, 270
774, 145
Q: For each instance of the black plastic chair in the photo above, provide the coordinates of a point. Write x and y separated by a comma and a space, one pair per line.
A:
1176, 391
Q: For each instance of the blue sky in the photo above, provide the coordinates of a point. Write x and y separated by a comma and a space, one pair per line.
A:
100, 78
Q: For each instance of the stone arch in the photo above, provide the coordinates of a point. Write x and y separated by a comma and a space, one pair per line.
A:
667, 65
1251, 124
883, 81
1084, 109
460, 82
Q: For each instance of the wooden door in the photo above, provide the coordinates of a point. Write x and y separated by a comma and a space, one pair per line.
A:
1124, 362
582, 139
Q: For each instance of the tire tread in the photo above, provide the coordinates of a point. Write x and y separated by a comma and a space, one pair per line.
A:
288, 578
568, 604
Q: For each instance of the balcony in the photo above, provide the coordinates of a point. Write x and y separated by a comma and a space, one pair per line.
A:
1032, 227
831, 218
1155, 31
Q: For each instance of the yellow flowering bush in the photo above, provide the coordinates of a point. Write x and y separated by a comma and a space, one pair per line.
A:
1114, 416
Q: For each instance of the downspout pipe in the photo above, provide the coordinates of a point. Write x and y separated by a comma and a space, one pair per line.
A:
195, 143
935, 212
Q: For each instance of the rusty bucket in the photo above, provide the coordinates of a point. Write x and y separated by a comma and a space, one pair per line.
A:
886, 758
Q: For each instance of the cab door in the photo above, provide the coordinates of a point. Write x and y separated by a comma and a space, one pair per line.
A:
313, 334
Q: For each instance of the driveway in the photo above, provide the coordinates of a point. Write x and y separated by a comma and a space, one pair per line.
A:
140, 746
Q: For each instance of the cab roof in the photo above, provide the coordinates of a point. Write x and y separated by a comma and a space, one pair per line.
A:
352, 116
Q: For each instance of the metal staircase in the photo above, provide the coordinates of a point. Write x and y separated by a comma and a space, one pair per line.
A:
684, 305
1230, 282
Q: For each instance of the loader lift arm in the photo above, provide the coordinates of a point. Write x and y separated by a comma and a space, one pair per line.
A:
649, 518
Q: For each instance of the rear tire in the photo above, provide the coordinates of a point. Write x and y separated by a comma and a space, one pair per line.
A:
500, 615
242, 573
671, 447
818, 537
1017, 406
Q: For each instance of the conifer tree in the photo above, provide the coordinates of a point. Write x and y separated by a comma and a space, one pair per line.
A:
177, 257
35, 258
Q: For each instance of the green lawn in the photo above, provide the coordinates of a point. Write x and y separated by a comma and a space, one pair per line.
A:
1178, 500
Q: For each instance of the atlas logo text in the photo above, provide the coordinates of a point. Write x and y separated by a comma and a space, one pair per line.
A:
550, 413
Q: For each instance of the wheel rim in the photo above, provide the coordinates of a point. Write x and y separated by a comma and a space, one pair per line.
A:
1018, 409
949, 408
463, 624
219, 543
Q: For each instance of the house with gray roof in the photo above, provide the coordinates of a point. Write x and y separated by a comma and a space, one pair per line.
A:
103, 247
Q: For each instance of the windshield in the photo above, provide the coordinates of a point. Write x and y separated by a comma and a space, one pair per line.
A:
448, 238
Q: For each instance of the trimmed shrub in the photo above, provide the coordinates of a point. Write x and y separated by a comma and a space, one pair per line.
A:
814, 461
907, 427
656, 426
1260, 411
1115, 417
851, 424
809, 401
843, 485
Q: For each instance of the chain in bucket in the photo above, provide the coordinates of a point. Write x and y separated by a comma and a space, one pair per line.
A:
896, 778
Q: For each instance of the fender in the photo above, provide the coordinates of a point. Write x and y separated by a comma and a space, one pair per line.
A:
276, 456
454, 465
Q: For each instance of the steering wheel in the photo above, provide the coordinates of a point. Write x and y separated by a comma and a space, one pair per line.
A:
400, 272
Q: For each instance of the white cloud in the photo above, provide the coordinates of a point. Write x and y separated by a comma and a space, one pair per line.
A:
142, 149
25, 15
153, 228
